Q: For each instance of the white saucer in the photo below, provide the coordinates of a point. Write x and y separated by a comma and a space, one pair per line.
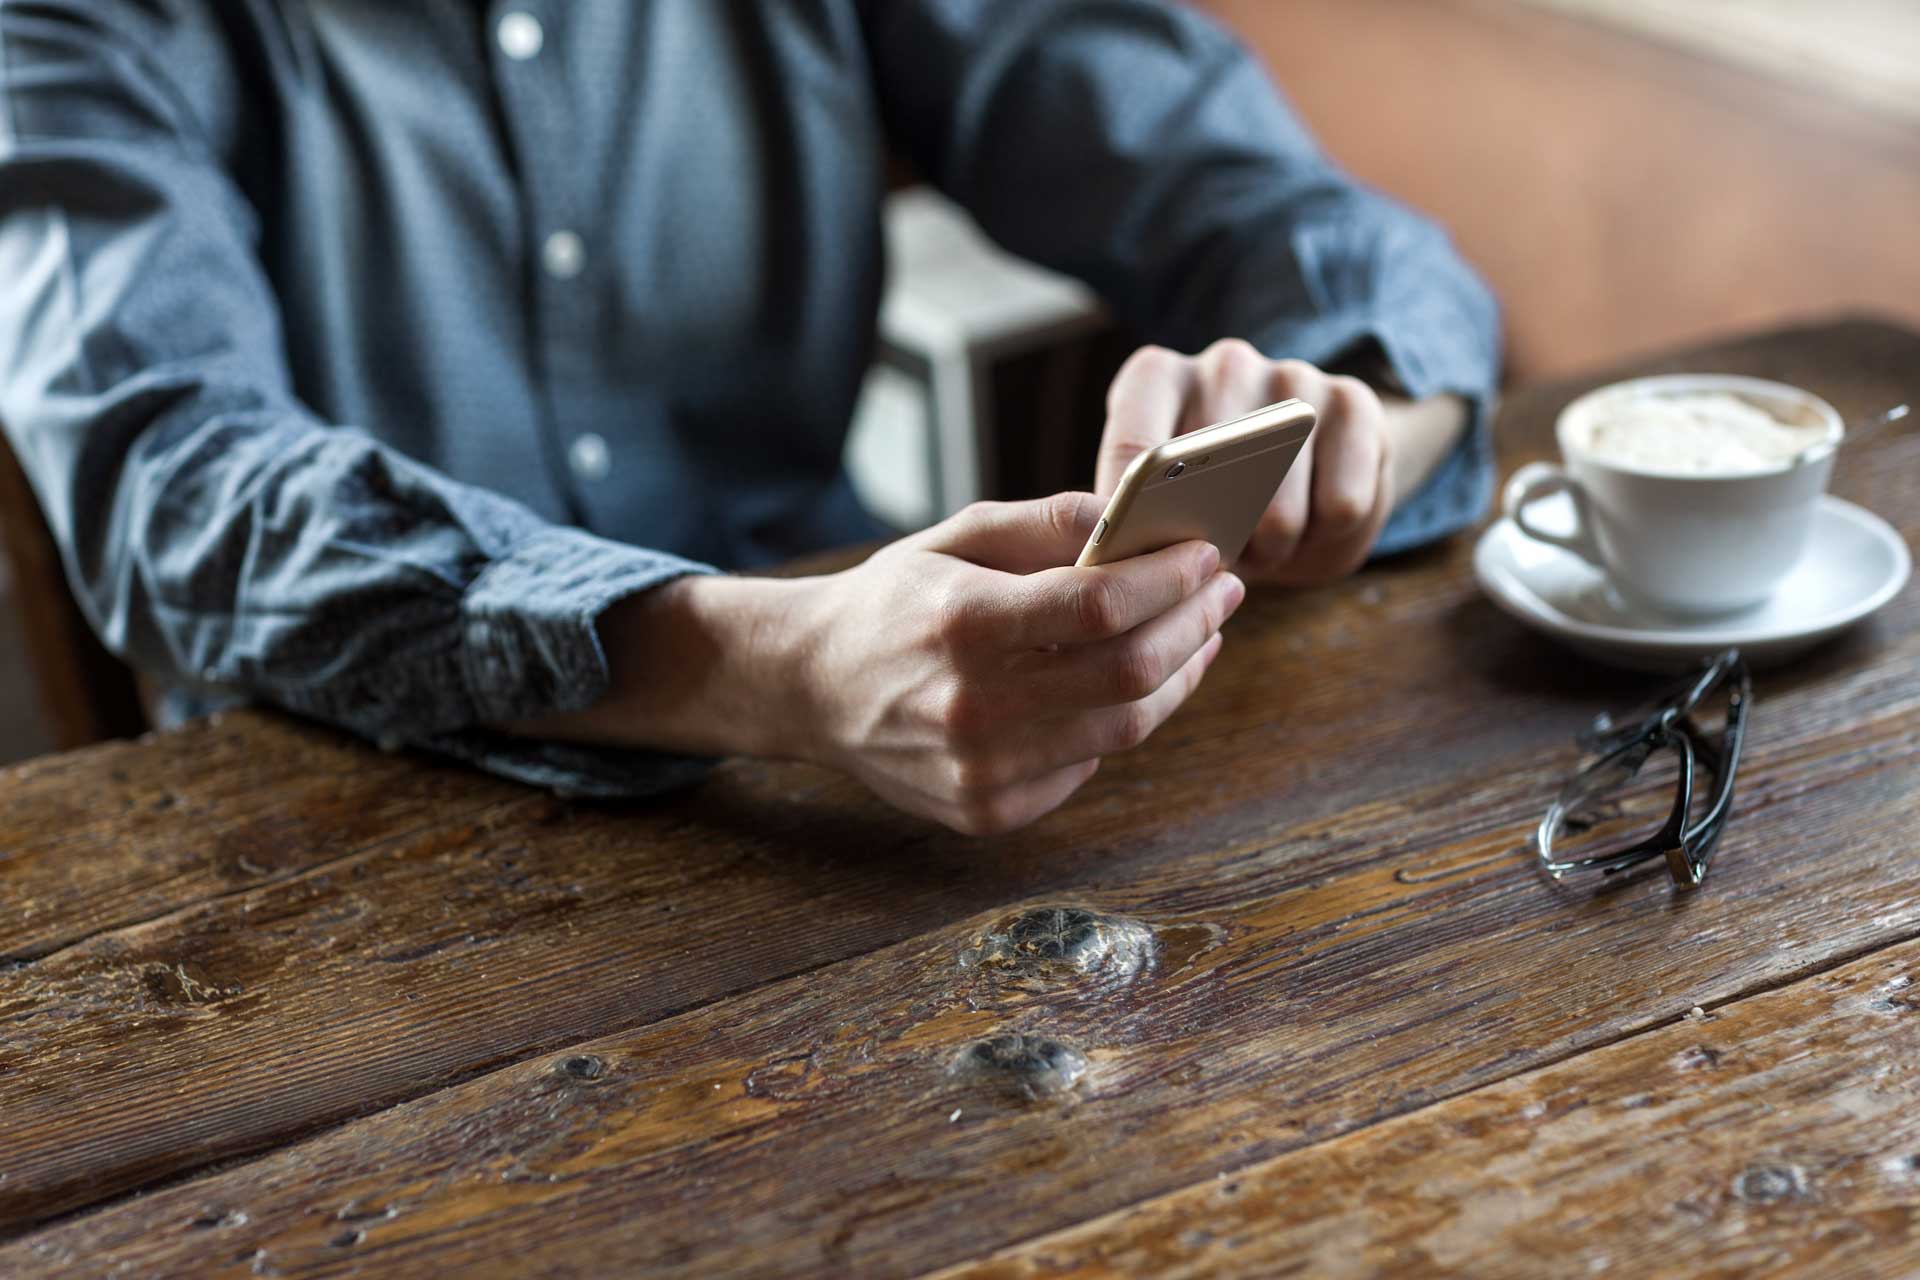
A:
1854, 564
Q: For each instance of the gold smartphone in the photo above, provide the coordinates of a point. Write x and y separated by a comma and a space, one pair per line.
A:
1211, 484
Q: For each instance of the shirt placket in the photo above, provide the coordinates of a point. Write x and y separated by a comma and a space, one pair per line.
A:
537, 107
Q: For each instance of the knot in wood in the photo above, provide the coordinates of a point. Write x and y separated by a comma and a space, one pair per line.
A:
1896, 996
1698, 1058
1066, 940
1767, 1183
1021, 1065
583, 1066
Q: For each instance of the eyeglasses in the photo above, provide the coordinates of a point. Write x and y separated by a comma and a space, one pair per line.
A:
1599, 821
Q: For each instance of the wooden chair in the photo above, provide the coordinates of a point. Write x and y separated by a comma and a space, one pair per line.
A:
89, 695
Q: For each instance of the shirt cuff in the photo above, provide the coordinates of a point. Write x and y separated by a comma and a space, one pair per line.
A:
1440, 332
1445, 341
530, 642
531, 646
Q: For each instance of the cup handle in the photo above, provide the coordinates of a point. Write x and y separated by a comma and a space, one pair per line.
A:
1539, 480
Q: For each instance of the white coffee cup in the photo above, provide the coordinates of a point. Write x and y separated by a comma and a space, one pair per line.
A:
1690, 545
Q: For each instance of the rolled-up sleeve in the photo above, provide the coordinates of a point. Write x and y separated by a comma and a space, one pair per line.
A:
1136, 145
215, 530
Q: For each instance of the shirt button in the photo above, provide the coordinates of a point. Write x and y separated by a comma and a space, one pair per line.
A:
520, 35
589, 458
563, 255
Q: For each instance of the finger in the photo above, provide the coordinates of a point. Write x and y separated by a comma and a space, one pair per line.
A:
1108, 730
1346, 479
1137, 664
1010, 808
1075, 606
1144, 407
1019, 537
1298, 380
1284, 522
1350, 496
1234, 378
1327, 560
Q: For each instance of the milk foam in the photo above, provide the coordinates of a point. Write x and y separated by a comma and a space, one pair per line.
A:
1707, 433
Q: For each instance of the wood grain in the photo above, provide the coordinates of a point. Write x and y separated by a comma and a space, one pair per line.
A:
1296, 814
1777, 1136
1312, 981
121, 833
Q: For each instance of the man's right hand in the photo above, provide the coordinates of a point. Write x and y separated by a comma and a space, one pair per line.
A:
966, 677
962, 673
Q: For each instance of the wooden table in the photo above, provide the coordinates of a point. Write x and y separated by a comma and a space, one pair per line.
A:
274, 1003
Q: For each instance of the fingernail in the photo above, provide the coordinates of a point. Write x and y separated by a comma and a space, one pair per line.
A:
1236, 591
1210, 558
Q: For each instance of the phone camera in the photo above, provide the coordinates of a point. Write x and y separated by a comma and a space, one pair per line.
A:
1176, 469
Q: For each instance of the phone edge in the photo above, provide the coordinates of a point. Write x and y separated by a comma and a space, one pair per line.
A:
1177, 448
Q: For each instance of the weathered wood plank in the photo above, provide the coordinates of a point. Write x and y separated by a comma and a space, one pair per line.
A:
1776, 1136
527, 924
1310, 983
102, 838
609, 916
604, 919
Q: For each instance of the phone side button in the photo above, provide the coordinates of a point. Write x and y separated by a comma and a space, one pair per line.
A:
1099, 531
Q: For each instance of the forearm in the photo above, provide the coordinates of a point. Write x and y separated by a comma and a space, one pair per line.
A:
965, 673
702, 665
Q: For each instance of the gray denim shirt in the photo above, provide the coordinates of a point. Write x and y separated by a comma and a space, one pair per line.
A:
362, 353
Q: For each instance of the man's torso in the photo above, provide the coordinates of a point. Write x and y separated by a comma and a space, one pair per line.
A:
617, 260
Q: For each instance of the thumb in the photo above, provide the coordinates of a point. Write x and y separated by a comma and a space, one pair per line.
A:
1020, 537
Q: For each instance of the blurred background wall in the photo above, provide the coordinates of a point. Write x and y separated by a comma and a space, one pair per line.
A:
1629, 174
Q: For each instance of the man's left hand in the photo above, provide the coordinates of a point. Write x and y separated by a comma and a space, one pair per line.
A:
1332, 505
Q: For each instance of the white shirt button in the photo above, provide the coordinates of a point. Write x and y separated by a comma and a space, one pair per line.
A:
589, 458
563, 255
520, 35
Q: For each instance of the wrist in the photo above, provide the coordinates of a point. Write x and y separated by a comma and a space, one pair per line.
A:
713, 665
705, 665
1421, 433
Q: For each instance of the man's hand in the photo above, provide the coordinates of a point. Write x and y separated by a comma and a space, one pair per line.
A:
1333, 503
962, 673
963, 676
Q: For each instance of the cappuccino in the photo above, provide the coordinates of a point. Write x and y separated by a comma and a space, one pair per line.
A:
1693, 493
1705, 433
